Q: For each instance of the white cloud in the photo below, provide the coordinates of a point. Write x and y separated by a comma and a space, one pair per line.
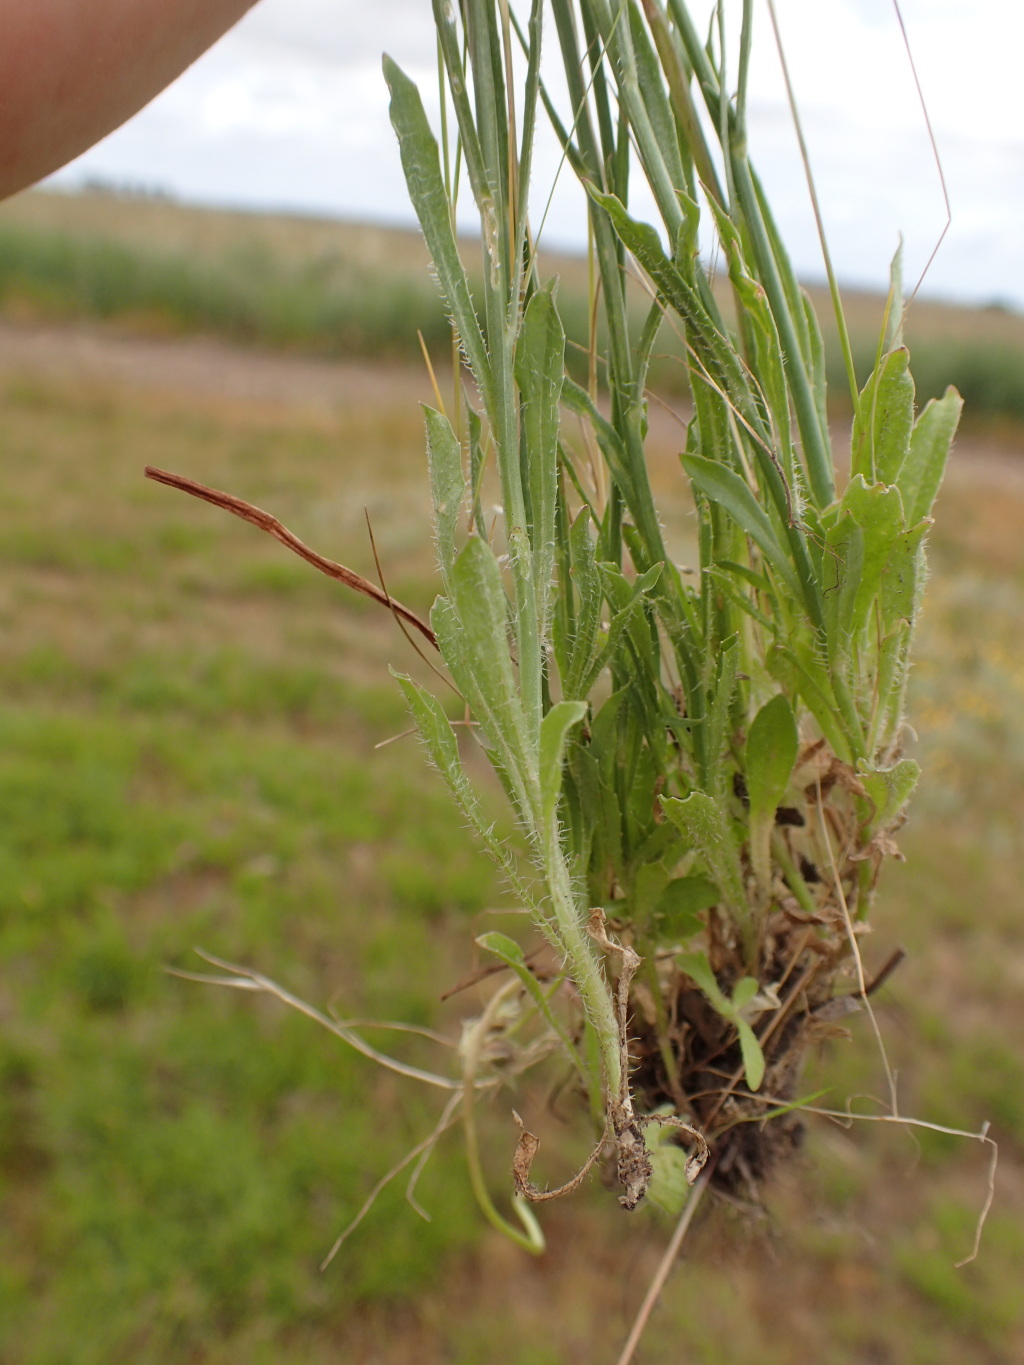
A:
290, 110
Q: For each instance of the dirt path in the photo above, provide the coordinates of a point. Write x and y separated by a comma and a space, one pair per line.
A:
208, 368
201, 366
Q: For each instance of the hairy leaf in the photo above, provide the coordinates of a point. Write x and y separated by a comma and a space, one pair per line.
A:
706, 828
930, 444
447, 484
883, 420
422, 167
554, 733
539, 366
724, 486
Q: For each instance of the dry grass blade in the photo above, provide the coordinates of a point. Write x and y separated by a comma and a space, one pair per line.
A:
933, 142
258, 517
241, 978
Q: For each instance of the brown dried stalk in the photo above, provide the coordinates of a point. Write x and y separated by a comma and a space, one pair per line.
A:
256, 515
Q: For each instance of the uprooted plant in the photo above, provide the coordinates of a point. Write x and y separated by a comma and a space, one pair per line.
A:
706, 773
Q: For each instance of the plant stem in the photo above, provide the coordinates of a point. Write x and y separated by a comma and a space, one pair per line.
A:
583, 963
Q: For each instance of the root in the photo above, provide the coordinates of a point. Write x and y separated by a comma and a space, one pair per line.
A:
632, 1164
623, 1130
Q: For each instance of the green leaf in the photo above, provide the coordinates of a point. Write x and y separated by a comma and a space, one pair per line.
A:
724, 486
806, 678
435, 730
903, 578
899, 600
587, 581
890, 789
761, 337
878, 510
728, 568
842, 569
726, 581
930, 444
479, 600
476, 465
447, 484
717, 355
897, 303
697, 967
815, 357
509, 951
443, 748
603, 829
627, 599
890, 683
744, 991
620, 592
539, 367
771, 753
883, 420
648, 884
554, 732
676, 913
471, 629
716, 726
705, 827
451, 642
564, 624
422, 167
641, 775
753, 1057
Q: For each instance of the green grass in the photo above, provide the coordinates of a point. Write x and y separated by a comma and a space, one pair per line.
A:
989, 374
187, 730
344, 289
243, 295
165, 1144
174, 1160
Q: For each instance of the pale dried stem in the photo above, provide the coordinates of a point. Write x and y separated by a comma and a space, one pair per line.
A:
847, 1118
664, 1268
242, 978
421, 1150
851, 935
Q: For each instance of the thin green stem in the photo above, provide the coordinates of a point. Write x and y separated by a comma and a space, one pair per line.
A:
582, 960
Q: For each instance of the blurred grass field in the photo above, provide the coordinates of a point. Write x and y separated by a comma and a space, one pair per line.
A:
188, 724
347, 289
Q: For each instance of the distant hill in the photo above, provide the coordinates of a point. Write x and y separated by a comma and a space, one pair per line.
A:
342, 288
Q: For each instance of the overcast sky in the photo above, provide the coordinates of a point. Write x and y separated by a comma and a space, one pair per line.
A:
290, 111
